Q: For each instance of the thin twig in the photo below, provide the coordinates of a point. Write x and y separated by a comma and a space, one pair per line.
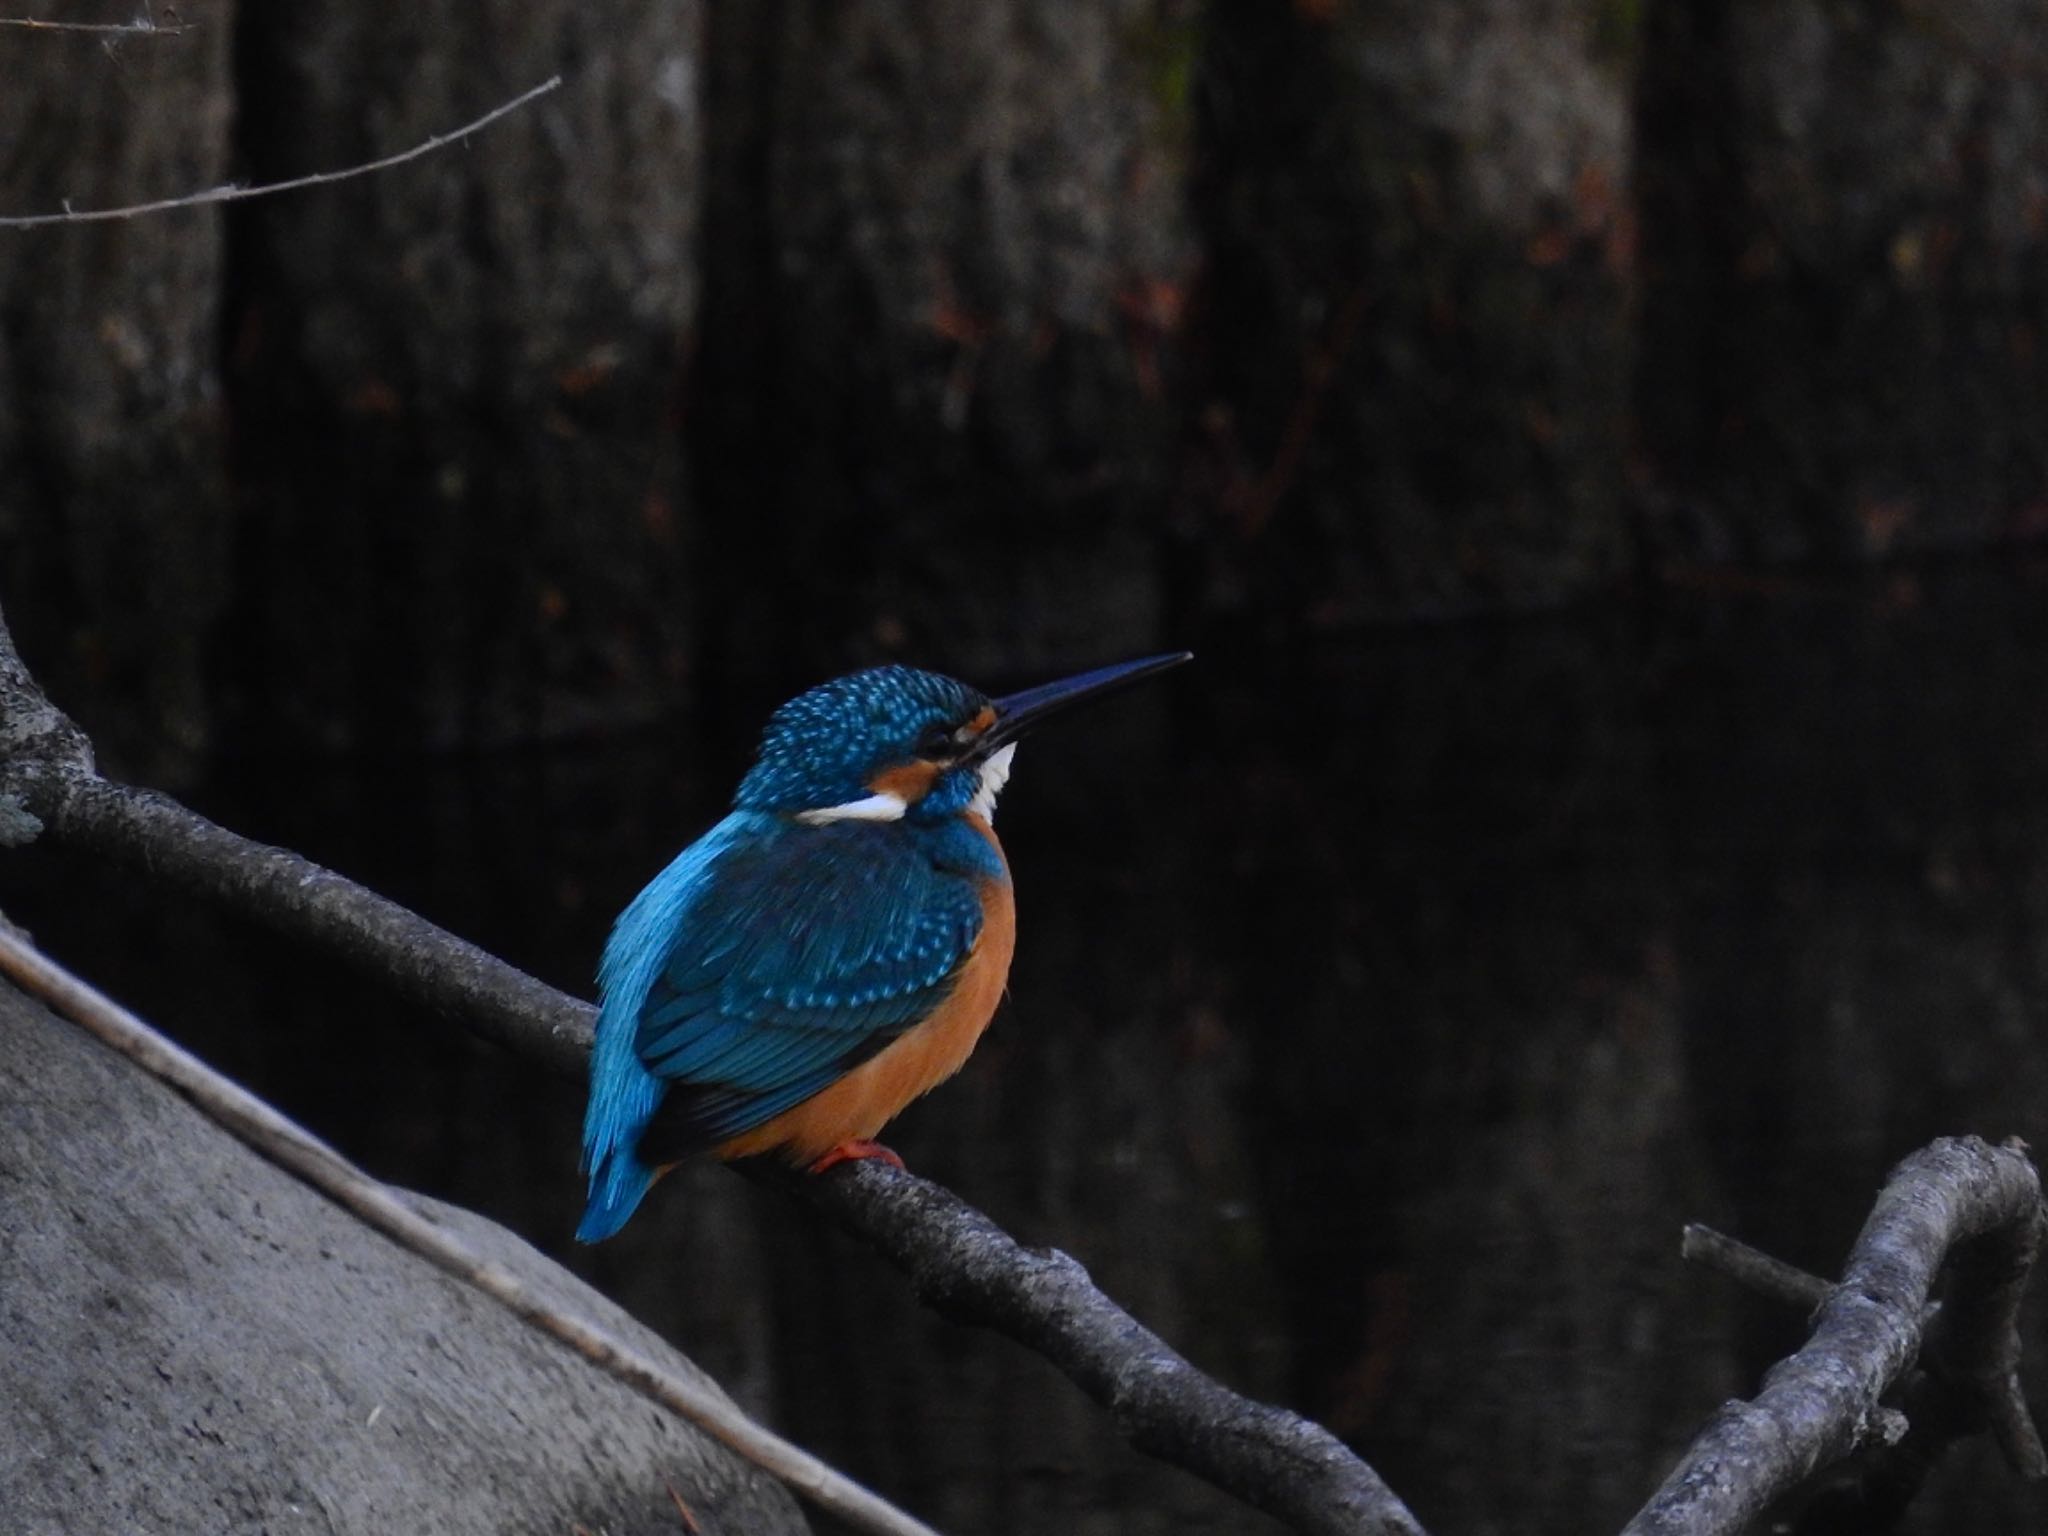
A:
142, 26
1752, 1267
291, 1148
235, 192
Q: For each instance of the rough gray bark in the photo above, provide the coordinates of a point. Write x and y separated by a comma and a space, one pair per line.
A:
196, 1341
948, 252
1844, 277
113, 507
1419, 307
1936, 1403
1959, 1207
458, 381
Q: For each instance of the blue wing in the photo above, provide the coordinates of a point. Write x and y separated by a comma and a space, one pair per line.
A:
810, 951
761, 966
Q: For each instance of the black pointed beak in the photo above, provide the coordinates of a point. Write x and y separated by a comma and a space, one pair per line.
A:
1021, 712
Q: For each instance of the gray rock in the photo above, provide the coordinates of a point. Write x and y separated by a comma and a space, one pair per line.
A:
194, 1341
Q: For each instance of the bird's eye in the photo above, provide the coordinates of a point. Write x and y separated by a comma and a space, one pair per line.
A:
937, 741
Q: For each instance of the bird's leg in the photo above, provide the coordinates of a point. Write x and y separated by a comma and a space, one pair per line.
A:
859, 1149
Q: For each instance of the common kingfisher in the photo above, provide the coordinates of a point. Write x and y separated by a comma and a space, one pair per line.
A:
829, 951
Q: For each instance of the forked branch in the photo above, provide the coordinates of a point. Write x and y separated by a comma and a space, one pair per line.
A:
1960, 1208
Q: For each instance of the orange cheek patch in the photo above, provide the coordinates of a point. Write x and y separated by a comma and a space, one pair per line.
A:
909, 782
982, 721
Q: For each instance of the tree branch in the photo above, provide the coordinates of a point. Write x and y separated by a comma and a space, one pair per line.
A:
141, 26
235, 192
967, 1268
1960, 1203
1752, 1267
957, 1257
1959, 1211
305, 1156
305, 901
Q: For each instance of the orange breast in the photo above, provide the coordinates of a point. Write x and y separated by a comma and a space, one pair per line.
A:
869, 1097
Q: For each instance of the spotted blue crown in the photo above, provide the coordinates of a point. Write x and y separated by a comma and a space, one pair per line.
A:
824, 746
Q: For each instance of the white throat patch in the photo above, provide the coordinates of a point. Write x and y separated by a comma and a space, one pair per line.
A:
995, 773
877, 807
886, 805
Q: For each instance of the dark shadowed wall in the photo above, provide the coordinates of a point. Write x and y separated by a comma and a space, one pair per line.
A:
1005, 336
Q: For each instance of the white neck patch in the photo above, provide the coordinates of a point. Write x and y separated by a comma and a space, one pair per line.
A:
886, 805
995, 773
877, 807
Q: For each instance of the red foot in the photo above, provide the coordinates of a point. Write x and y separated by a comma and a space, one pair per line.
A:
857, 1151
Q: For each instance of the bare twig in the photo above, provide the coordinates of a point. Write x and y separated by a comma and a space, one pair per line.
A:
312, 1160
1752, 1267
1166, 1407
1961, 1203
141, 26
235, 192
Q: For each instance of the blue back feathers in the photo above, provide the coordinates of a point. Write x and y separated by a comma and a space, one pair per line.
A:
814, 948
772, 957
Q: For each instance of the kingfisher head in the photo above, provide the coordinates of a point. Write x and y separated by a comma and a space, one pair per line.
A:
896, 743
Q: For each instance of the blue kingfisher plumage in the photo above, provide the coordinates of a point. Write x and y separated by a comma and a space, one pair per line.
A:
830, 950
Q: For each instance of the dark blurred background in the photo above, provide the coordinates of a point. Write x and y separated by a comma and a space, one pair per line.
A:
1597, 450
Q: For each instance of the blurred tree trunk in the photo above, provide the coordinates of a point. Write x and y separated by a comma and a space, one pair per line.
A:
1420, 307
945, 267
1845, 293
946, 403
113, 533
457, 381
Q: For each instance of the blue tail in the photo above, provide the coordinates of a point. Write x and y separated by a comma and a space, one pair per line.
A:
615, 1192
623, 1096
623, 1093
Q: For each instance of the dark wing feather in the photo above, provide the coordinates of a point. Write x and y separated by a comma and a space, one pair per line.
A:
808, 952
